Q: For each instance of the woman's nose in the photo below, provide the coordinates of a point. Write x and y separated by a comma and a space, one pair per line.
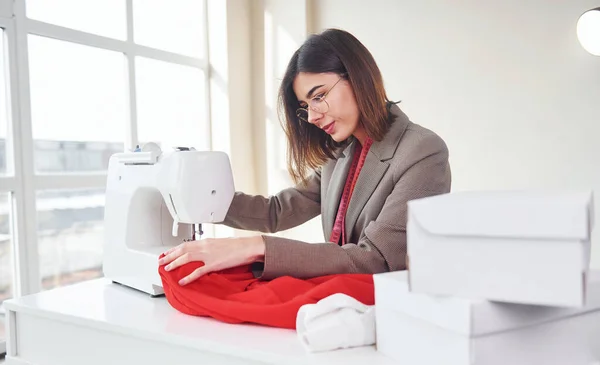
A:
313, 116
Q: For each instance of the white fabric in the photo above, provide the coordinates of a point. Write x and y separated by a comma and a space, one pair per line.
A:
335, 322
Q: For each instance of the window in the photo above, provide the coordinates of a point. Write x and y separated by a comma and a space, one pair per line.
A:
78, 105
86, 84
179, 30
168, 104
103, 17
70, 235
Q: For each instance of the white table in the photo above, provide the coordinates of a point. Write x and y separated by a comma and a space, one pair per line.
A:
99, 322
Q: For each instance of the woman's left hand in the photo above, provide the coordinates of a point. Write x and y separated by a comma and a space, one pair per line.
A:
216, 253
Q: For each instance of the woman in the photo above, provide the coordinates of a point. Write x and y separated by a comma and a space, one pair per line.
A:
345, 140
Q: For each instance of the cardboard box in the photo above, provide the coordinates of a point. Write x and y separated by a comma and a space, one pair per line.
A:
422, 329
519, 247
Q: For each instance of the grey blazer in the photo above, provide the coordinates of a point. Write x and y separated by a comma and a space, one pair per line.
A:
410, 162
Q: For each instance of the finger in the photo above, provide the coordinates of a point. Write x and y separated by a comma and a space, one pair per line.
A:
196, 274
181, 260
175, 253
167, 258
181, 246
171, 250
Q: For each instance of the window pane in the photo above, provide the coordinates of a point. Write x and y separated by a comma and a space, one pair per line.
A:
3, 103
103, 17
171, 25
6, 257
70, 235
78, 105
171, 104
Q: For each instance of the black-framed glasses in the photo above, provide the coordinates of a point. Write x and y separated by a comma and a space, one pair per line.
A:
317, 103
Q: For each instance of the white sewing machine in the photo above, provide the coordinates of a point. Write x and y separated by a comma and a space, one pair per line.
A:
156, 200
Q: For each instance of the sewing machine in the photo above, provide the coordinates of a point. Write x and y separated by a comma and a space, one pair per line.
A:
156, 200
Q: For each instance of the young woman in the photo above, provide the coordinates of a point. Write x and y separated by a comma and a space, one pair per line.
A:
356, 159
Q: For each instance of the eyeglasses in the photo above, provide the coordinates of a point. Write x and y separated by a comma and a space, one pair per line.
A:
317, 103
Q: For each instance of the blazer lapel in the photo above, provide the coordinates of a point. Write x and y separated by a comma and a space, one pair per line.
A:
335, 189
375, 167
368, 179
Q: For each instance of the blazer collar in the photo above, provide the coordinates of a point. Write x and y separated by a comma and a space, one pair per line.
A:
386, 148
371, 174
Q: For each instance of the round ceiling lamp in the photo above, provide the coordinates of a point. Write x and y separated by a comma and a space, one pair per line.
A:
588, 31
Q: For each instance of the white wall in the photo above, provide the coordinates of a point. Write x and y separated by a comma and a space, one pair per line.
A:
230, 86
278, 29
505, 83
229, 61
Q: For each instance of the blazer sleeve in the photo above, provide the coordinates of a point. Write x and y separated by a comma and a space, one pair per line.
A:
287, 209
382, 245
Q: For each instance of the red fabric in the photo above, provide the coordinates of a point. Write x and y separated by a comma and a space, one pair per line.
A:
235, 296
358, 160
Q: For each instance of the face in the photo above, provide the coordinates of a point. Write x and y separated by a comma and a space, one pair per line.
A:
337, 111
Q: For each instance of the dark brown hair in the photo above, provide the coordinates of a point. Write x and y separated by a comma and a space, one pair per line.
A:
339, 52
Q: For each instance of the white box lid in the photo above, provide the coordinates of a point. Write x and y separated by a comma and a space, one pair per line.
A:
523, 214
472, 317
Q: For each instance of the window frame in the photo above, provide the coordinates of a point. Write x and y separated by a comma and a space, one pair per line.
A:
10, 182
